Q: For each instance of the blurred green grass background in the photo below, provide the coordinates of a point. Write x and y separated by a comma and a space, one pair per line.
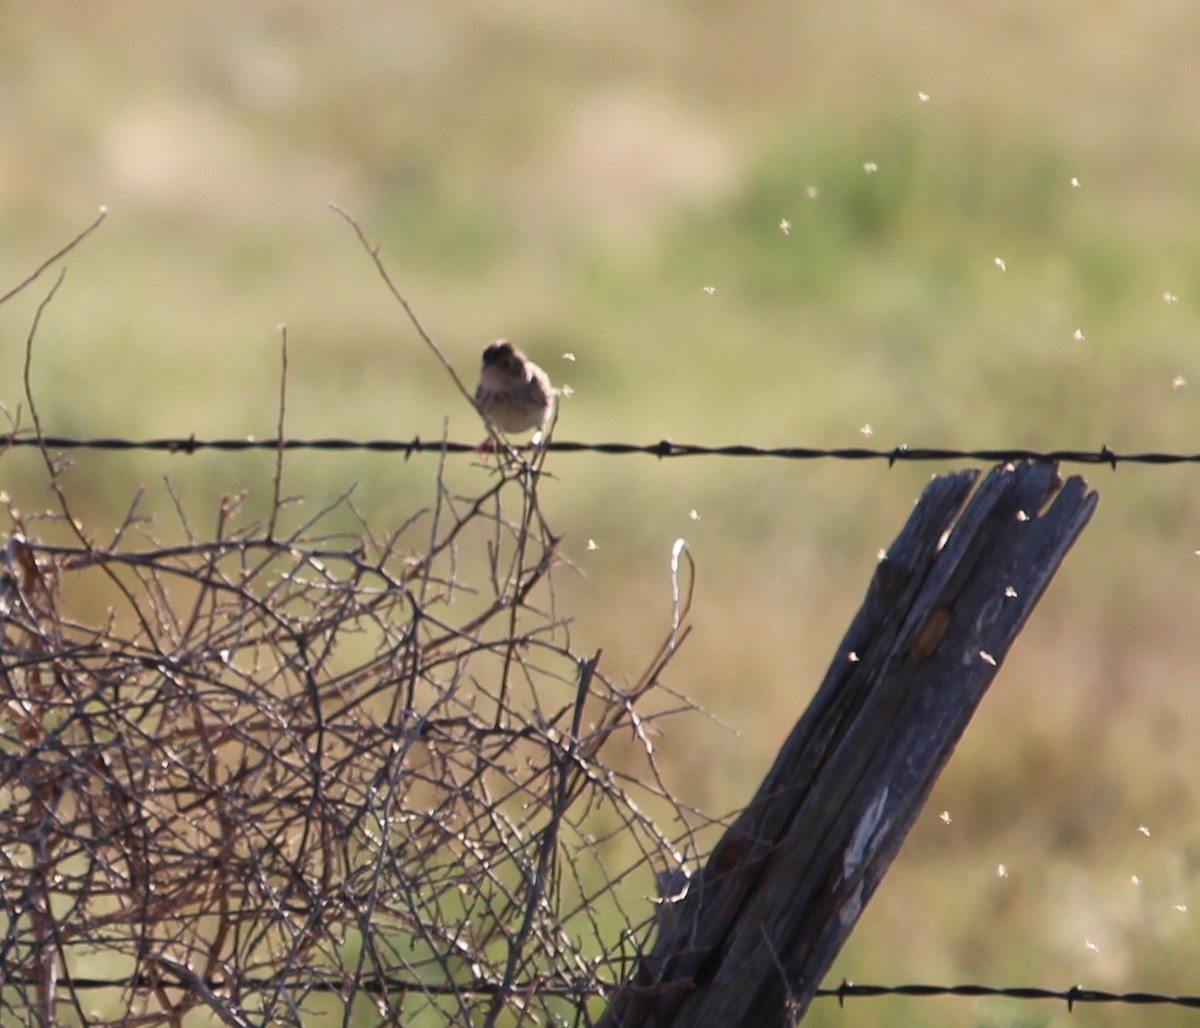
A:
615, 181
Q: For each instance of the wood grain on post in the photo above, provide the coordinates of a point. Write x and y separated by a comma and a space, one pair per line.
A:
757, 929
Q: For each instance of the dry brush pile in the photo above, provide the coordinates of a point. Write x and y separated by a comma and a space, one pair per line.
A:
297, 774
297, 768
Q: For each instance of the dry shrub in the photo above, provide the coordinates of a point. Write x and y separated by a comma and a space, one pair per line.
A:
290, 764
297, 772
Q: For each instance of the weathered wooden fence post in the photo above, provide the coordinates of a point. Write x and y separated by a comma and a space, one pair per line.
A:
754, 934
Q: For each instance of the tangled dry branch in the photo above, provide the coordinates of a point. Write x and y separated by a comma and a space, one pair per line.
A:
318, 769
295, 770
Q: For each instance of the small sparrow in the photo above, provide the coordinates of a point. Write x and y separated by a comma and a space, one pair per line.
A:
514, 393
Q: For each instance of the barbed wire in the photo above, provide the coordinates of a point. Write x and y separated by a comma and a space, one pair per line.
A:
661, 449
1074, 996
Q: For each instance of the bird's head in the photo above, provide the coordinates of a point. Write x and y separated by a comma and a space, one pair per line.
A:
502, 363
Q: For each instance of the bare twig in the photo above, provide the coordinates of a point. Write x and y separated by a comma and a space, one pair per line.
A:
55, 257
277, 497
497, 441
373, 251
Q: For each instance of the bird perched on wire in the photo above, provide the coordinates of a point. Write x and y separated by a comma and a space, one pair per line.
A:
514, 394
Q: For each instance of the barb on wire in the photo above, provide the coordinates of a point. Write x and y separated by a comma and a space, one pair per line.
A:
664, 448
